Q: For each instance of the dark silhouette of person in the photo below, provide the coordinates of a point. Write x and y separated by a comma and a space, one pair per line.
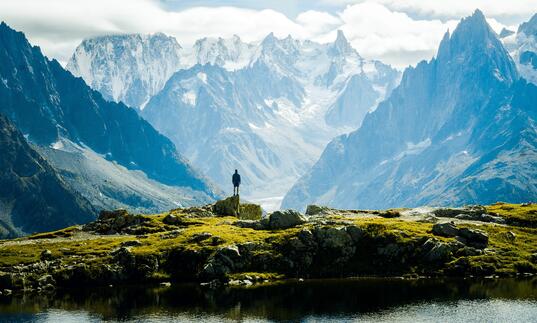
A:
236, 179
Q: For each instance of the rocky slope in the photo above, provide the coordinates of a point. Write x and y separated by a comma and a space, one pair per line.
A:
200, 244
32, 196
127, 68
104, 150
459, 129
523, 48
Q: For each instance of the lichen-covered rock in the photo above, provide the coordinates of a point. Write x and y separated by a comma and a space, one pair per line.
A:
316, 209
171, 219
249, 211
114, 222
285, 219
445, 230
474, 238
227, 207
222, 262
436, 251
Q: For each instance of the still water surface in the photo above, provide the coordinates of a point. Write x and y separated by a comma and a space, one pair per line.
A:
349, 300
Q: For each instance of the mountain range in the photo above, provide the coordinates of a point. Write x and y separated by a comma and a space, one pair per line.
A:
264, 108
459, 129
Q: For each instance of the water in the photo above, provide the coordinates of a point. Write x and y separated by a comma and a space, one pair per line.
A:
349, 300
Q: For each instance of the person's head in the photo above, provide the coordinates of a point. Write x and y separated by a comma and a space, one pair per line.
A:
236, 171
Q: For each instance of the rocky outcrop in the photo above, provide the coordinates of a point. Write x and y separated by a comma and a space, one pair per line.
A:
227, 207
470, 237
285, 219
114, 222
231, 206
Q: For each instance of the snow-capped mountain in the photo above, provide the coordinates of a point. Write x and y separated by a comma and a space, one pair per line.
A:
231, 54
458, 129
272, 117
523, 48
104, 150
127, 68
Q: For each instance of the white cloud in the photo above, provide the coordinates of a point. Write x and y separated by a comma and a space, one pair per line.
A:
383, 29
454, 9
377, 32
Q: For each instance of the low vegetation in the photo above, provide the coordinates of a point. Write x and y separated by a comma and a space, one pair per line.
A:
195, 244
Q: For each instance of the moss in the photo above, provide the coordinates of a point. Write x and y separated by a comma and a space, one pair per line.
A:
518, 214
505, 255
250, 211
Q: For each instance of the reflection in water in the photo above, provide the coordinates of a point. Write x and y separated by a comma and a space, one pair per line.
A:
325, 300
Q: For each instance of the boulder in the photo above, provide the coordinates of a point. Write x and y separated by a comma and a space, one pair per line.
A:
316, 209
436, 251
227, 207
171, 219
285, 219
124, 257
222, 262
248, 211
445, 229
473, 238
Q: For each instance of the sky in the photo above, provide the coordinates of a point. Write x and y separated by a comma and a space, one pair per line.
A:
397, 32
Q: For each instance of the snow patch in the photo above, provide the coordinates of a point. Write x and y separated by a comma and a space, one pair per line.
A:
189, 98
202, 76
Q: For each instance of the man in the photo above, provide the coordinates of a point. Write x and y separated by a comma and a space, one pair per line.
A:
236, 179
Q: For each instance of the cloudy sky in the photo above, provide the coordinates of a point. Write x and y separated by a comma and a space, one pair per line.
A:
395, 31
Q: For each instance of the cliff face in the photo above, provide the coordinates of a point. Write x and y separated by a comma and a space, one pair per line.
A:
32, 196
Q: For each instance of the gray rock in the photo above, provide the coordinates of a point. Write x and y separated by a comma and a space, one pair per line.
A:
436, 251
354, 232
473, 238
171, 219
124, 257
222, 262
316, 209
285, 219
334, 239
445, 229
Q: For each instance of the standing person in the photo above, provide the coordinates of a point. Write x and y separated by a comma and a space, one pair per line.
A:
236, 179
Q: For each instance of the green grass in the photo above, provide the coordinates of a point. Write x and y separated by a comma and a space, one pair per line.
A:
71, 245
516, 213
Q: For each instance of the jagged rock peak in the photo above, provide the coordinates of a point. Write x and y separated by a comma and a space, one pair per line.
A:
341, 44
529, 27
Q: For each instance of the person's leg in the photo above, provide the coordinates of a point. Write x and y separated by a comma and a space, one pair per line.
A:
237, 190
